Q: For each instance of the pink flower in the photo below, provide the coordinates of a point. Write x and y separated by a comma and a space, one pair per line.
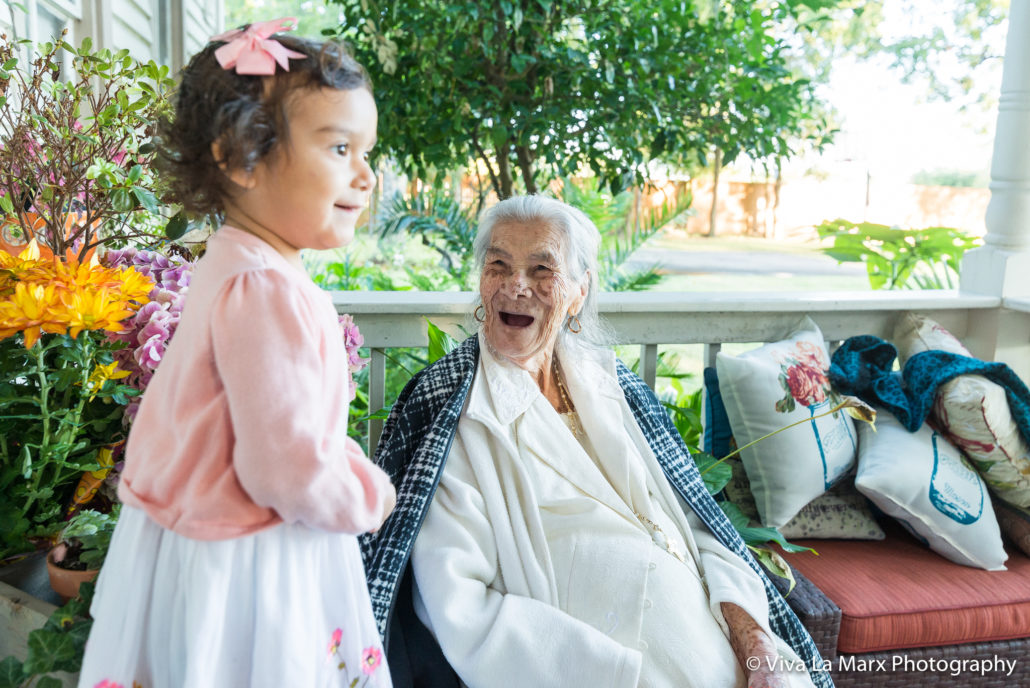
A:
152, 327
807, 385
352, 341
334, 642
371, 658
107, 683
149, 354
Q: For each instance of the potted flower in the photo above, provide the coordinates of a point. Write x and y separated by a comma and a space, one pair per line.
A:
80, 550
75, 149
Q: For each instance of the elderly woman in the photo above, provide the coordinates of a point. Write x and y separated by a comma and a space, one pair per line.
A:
557, 529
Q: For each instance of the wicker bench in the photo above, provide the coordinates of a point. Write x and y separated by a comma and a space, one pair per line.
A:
978, 648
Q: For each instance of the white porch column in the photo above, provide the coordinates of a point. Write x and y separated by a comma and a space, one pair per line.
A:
1002, 266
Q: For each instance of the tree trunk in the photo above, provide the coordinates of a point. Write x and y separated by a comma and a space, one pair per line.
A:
526, 166
776, 198
712, 216
504, 175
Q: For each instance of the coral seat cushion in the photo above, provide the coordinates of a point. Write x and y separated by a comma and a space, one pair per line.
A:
896, 594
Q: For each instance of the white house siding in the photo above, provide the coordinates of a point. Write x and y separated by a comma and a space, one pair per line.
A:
166, 31
201, 19
39, 20
134, 27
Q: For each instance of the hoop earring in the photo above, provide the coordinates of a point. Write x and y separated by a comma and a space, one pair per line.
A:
579, 325
475, 313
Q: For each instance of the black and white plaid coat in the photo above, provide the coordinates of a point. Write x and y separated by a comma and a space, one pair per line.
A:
412, 450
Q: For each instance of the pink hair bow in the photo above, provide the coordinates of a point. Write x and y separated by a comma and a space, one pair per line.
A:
251, 51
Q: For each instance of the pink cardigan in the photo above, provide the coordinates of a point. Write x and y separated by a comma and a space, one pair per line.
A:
244, 424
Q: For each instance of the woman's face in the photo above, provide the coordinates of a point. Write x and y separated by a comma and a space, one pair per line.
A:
527, 292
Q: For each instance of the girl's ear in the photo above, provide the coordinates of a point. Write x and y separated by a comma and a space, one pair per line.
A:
238, 176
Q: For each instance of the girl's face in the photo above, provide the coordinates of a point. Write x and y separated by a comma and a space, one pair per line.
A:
527, 292
309, 191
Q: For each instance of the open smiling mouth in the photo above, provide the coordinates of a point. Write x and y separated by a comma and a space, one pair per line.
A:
516, 319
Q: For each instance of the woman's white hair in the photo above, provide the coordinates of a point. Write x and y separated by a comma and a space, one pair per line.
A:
581, 242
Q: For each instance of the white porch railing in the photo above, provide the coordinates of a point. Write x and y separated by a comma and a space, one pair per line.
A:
992, 328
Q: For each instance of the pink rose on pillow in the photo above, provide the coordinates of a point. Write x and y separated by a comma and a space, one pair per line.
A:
806, 384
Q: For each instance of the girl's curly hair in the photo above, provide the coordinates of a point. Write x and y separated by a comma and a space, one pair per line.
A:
245, 114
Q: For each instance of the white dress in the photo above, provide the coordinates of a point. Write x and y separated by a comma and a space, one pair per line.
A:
286, 606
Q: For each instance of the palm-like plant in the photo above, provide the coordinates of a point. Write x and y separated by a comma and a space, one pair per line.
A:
611, 215
440, 222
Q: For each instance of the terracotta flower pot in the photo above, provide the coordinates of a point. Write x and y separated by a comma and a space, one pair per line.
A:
65, 582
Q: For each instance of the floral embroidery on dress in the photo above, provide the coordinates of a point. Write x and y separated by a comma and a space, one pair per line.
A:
334, 642
371, 659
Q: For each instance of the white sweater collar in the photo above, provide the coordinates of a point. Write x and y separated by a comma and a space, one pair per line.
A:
502, 391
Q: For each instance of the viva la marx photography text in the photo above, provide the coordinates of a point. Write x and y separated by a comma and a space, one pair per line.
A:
853, 663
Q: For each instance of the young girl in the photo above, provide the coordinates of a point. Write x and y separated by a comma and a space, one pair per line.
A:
235, 561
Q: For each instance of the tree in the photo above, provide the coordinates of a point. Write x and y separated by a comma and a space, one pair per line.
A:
953, 48
530, 90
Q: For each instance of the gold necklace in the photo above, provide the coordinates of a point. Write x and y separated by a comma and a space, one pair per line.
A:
574, 424
660, 538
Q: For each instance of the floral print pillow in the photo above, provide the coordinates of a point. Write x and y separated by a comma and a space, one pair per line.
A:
776, 385
973, 412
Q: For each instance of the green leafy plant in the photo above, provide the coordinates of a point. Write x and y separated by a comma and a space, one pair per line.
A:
716, 473
440, 343
76, 151
345, 275
58, 646
87, 538
899, 258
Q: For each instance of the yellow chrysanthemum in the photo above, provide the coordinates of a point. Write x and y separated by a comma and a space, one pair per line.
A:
7, 282
74, 276
96, 310
49, 295
135, 286
32, 309
28, 258
31, 251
